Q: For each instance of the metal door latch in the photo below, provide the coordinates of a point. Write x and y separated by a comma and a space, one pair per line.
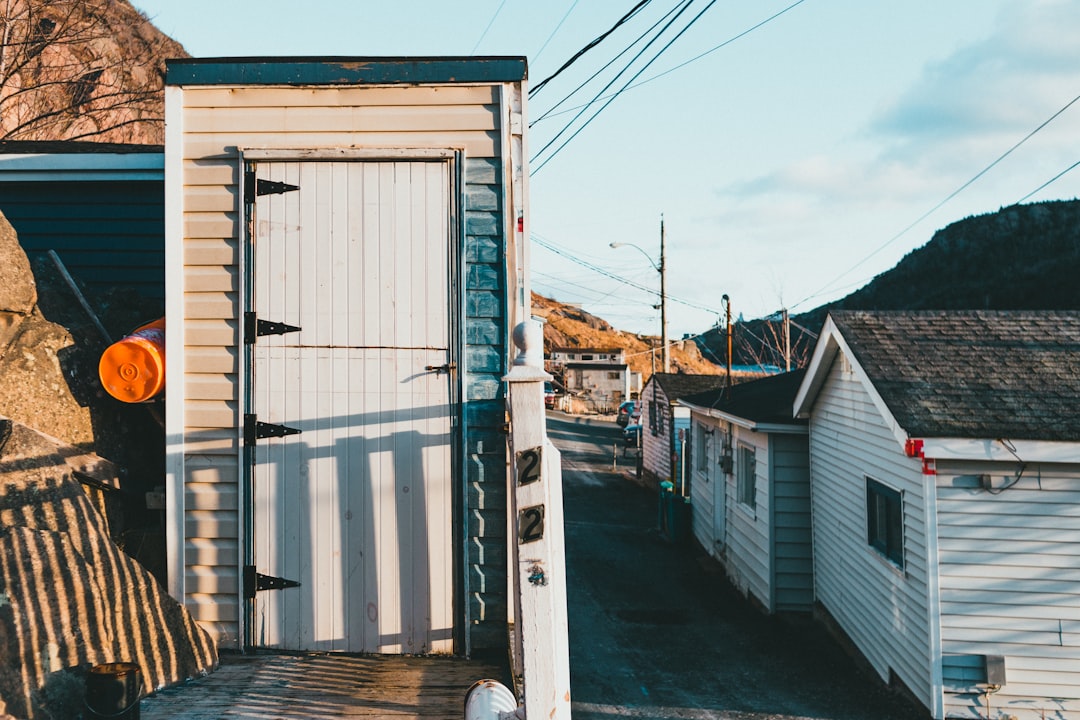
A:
440, 369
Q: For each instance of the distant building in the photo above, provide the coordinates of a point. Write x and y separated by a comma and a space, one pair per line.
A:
598, 377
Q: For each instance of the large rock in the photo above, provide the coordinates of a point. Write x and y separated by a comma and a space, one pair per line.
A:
18, 294
69, 597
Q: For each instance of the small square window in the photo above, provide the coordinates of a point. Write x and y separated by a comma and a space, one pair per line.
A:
885, 521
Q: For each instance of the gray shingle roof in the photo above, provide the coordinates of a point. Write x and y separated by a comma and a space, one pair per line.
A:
767, 400
973, 374
678, 385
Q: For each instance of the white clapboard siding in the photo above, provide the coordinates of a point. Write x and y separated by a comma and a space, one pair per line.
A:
746, 553
883, 610
706, 482
1010, 585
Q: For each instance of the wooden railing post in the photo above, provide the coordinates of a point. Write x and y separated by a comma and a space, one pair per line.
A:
536, 543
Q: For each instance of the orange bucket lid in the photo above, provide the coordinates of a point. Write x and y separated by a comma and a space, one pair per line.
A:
132, 370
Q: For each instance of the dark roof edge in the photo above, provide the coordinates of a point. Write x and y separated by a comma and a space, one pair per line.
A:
344, 70
22, 147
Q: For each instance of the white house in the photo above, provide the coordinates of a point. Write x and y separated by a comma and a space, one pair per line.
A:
600, 377
750, 489
945, 476
345, 239
664, 423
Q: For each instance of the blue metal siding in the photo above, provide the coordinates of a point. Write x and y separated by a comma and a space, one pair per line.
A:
108, 233
485, 408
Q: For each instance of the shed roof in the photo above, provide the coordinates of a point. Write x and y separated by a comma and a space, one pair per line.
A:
767, 400
972, 374
680, 385
343, 70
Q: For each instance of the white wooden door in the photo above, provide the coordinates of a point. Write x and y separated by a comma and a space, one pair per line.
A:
357, 506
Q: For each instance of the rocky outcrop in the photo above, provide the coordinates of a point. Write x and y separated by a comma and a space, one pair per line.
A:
70, 597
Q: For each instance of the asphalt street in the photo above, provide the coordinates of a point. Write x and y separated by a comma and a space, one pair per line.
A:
656, 631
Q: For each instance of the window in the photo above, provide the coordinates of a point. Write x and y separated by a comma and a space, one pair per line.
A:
746, 476
885, 521
615, 375
586, 357
700, 454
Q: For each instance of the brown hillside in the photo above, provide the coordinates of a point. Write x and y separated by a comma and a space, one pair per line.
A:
568, 326
82, 70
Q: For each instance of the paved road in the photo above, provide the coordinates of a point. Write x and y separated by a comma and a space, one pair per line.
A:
657, 632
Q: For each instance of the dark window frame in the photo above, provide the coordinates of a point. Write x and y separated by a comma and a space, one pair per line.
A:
885, 521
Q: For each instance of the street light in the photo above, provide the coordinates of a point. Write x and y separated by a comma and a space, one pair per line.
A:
663, 293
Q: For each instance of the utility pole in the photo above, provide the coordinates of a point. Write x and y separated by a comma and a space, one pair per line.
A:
787, 341
663, 300
727, 304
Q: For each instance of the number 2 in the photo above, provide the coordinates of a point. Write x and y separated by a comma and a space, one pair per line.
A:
530, 524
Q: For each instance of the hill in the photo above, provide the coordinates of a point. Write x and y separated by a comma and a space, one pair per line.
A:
1022, 257
82, 70
567, 326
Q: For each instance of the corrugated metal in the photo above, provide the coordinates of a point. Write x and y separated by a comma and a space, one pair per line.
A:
883, 610
1010, 585
207, 163
108, 234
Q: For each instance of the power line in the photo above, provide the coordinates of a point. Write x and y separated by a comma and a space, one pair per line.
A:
1049, 182
551, 111
631, 80
577, 56
685, 5
536, 55
490, 23
677, 67
949, 197
608, 274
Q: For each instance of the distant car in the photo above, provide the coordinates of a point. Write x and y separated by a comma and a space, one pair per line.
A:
627, 411
630, 435
549, 395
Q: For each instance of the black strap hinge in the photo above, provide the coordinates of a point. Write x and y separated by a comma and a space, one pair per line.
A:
256, 328
254, 187
255, 582
255, 429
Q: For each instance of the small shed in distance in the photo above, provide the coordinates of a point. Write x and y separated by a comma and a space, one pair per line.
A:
750, 493
664, 424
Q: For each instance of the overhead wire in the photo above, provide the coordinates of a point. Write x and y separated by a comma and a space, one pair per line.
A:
536, 55
684, 5
551, 113
938, 206
490, 23
580, 53
551, 110
631, 80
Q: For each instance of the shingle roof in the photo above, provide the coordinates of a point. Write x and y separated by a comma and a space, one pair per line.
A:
768, 400
679, 385
972, 374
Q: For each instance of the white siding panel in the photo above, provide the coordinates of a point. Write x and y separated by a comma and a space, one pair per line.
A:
323, 119
748, 544
703, 485
1010, 583
883, 610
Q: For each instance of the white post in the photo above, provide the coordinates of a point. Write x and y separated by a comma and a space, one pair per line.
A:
536, 536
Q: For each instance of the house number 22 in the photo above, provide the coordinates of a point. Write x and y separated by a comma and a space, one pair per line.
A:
530, 524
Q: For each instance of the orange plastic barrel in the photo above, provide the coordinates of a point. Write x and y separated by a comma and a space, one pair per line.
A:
133, 369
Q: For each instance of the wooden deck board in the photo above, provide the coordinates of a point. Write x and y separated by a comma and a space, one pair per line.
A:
287, 687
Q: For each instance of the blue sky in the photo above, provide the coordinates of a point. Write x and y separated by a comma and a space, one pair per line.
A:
791, 163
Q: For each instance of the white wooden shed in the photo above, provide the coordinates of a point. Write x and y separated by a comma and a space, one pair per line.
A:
945, 487
750, 490
664, 423
346, 261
